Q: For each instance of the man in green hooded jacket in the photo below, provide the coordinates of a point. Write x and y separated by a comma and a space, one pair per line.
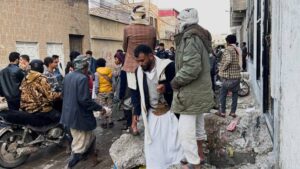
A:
192, 85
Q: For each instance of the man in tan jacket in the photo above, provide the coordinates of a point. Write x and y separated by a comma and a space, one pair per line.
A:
137, 33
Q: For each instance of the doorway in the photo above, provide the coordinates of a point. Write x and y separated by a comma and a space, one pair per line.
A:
76, 43
266, 60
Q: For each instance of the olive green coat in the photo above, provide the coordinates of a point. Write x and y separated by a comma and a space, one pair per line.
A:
194, 93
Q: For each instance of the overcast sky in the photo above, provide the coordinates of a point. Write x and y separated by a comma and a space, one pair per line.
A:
213, 14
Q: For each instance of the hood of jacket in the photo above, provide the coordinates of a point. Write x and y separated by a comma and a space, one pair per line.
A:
32, 76
197, 30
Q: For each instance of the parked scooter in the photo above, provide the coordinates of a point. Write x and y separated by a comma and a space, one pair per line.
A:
19, 141
243, 91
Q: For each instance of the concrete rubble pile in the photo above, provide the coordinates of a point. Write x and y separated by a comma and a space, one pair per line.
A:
249, 146
127, 152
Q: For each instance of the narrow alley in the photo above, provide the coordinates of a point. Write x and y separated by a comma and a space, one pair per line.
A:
149, 84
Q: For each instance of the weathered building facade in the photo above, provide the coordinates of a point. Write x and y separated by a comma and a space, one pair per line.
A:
270, 29
43, 28
106, 31
167, 26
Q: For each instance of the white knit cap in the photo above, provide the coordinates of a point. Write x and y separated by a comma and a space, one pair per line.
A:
138, 15
187, 17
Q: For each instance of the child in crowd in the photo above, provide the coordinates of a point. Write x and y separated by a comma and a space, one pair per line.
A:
121, 90
104, 91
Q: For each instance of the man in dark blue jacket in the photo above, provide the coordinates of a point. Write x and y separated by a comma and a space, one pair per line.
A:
92, 61
161, 52
10, 81
77, 112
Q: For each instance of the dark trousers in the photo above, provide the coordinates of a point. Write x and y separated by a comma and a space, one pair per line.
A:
244, 63
57, 105
212, 78
13, 105
232, 85
128, 117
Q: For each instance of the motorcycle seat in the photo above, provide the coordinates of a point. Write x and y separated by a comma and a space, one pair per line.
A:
27, 119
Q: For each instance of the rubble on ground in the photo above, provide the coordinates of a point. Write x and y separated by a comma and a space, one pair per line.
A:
127, 152
248, 147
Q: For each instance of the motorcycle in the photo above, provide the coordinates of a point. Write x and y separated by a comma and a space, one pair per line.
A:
19, 140
244, 89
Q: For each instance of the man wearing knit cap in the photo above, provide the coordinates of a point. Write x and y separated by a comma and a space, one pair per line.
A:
138, 32
77, 112
192, 86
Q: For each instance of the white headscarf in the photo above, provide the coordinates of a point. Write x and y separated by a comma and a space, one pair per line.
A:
187, 17
138, 15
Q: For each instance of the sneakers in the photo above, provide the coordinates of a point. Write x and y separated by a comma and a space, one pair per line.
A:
111, 125
74, 159
103, 125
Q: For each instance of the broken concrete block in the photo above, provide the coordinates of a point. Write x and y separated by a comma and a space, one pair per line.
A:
128, 151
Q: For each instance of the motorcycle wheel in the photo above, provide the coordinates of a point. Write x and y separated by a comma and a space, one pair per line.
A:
244, 89
8, 146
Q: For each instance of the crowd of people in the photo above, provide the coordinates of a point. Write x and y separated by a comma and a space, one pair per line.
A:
169, 91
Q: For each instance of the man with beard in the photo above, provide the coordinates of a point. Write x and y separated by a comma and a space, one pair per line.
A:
77, 112
138, 32
153, 99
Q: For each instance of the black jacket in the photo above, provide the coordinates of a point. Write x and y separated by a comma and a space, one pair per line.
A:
162, 54
10, 81
135, 95
78, 106
124, 91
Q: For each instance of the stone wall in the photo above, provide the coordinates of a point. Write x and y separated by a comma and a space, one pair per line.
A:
106, 37
284, 78
42, 22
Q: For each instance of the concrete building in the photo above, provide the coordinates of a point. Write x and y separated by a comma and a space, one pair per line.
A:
167, 26
107, 23
106, 31
270, 28
218, 39
164, 20
43, 28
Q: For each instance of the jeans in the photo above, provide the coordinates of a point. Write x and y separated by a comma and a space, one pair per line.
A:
13, 105
232, 85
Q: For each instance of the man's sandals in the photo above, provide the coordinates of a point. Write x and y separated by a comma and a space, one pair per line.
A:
190, 166
232, 115
223, 115
184, 162
134, 133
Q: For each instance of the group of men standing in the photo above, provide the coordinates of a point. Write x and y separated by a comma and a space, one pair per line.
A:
34, 89
170, 97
